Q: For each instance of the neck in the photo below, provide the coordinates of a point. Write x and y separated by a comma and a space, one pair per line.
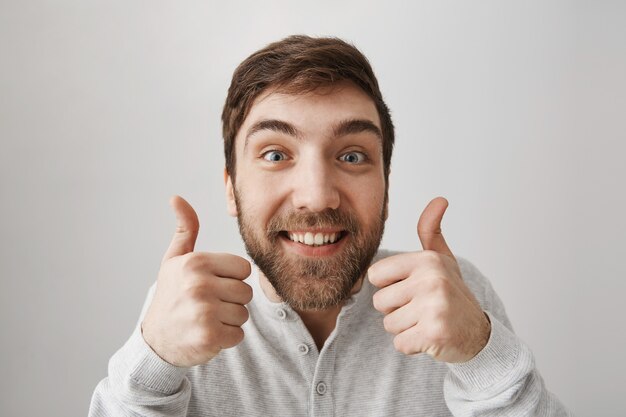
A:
320, 323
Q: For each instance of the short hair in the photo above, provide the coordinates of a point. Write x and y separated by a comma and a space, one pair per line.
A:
300, 64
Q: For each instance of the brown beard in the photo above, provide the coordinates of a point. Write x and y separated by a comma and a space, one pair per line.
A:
311, 283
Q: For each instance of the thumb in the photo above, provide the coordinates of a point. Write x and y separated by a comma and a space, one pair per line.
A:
187, 227
429, 227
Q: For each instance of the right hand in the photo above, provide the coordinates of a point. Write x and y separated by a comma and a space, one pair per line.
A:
198, 306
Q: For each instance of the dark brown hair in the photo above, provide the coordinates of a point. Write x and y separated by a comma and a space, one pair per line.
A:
295, 65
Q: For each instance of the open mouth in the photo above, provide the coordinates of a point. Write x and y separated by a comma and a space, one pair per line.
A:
314, 238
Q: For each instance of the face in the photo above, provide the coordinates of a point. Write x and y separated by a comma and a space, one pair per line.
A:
310, 192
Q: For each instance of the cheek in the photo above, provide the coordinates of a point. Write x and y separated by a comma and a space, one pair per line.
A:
370, 190
258, 201
367, 200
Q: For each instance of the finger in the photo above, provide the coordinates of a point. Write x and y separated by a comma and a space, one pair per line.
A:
232, 314
401, 319
396, 268
409, 341
391, 297
187, 226
230, 336
227, 265
234, 291
429, 227
391, 270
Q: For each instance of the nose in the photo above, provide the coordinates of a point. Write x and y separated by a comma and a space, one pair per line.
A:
314, 186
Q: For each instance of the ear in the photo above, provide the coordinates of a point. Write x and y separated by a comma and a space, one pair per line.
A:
231, 204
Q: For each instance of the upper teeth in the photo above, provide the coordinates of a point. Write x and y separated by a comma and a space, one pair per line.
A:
314, 239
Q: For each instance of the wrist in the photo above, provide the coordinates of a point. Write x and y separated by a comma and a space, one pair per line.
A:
151, 342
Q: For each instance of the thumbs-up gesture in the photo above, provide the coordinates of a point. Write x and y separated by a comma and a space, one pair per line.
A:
198, 306
427, 305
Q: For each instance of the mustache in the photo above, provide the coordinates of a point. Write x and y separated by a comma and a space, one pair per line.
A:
329, 218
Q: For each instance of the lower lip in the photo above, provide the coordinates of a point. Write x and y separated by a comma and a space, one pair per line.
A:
314, 251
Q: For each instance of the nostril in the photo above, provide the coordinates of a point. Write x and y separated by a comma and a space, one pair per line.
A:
315, 200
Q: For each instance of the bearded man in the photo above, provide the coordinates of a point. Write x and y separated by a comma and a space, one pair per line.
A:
324, 324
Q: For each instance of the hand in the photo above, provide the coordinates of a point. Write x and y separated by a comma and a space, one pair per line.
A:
198, 306
427, 305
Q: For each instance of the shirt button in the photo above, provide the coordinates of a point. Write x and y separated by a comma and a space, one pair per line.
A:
281, 313
321, 388
303, 349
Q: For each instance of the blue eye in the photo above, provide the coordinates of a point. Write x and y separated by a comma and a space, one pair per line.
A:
274, 156
353, 157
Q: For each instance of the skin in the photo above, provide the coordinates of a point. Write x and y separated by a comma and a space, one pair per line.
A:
313, 176
199, 304
427, 306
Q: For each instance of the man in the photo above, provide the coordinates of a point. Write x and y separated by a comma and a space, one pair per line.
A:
327, 324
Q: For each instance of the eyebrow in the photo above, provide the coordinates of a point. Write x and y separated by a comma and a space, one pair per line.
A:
275, 126
343, 128
351, 126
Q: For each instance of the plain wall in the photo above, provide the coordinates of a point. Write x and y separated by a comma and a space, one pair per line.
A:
514, 111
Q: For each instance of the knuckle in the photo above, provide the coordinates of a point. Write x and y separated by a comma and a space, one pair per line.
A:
202, 314
240, 314
430, 256
199, 290
441, 307
386, 323
376, 300
206, 339
195, 291
235, 336
438, 285
245, 314
436, 334
436, 341
192, 261
247, 292
239, 265
372, 275
246, 267
400, 344
439, 302
238, 335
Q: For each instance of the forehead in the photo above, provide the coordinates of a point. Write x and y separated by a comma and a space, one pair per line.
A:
315, 111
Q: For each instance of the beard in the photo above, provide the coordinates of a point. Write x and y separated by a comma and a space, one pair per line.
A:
309, 283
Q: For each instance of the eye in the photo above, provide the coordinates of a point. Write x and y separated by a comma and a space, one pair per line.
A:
353, 157
274, 156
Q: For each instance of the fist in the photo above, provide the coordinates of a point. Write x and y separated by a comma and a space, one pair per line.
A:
199, 303
427, 306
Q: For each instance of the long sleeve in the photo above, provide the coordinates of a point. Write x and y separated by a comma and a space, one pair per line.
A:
140, 383
502, 379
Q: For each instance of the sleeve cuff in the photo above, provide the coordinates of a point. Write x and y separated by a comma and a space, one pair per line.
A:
495, 362
146, 369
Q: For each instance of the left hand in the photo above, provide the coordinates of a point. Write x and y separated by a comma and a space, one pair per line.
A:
427, 305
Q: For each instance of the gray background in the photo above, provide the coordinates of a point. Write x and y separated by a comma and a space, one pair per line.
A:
512, 110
